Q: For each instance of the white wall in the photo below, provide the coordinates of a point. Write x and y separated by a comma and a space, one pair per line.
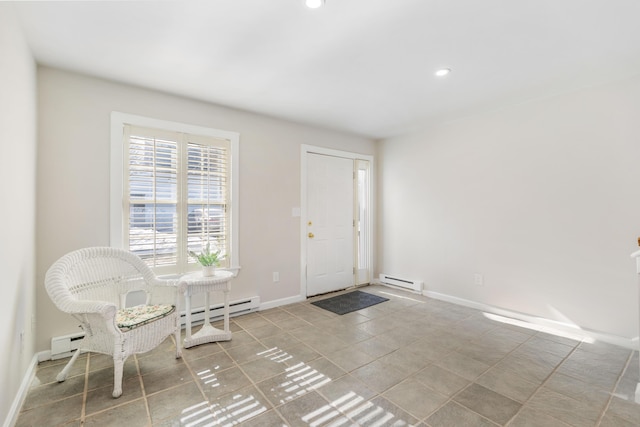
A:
17, 196
73, 180
543, 199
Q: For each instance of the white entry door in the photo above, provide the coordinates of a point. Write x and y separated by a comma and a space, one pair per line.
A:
330, 223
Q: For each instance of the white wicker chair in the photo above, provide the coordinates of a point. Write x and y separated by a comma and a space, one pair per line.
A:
92, 285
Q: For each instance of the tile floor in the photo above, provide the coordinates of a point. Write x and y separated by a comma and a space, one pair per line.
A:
408, 361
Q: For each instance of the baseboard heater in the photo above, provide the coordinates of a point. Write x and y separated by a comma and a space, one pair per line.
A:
64, 346
414, 285
216, 312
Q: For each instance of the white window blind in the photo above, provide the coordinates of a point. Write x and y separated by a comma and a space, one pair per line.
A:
176, 196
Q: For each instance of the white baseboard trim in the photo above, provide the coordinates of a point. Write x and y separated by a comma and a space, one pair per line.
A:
14, 411
44, 355
280, 302
539, 323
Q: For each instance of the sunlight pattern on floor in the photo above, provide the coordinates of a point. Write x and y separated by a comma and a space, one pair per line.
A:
243, 408
276, 355
349, 409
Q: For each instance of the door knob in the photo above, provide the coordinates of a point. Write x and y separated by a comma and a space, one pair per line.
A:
311, 236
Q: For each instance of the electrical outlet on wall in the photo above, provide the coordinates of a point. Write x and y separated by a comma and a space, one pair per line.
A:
276, 276
478, 279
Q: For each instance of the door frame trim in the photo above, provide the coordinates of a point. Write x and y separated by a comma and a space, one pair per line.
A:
305, 151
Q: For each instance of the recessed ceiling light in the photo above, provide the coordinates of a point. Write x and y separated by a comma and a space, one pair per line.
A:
443, 72
314, 4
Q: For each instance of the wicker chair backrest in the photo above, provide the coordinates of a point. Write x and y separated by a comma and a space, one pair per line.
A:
97, 274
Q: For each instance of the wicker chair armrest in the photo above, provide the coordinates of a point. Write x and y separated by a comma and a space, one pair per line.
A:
106, 309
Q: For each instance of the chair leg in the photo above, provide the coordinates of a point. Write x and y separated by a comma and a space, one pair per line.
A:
65, 371
118, 367
178, 344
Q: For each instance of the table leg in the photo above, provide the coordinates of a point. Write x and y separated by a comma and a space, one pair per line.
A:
226, 311
207, 317
187, 303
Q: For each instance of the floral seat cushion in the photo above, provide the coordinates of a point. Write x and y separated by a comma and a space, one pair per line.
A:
131, 317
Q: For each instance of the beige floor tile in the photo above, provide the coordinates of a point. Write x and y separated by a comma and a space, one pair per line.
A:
508, 384
266, 331
56, 412
202, 350
453, 414
406, 361
261, 369
238, 339
245, 353
564, 408
223, 382
100, 399
287, 386
301, 353
611, 420
350, 358
326, 368
150, 362
282, 341
379, 376
237, 407
345, 390
375, 347
441, 380
270, 418
135, 414
210, 364
525, 368
578, 390
102, 377
532, 418
415, 398
463, 366
184, 402
309, 409
626, 409
380, 412
52, 392
488, 403
538, 344
162, 379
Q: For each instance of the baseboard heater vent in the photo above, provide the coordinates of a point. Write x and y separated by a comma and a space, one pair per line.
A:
414, 285
65, 345
216, 312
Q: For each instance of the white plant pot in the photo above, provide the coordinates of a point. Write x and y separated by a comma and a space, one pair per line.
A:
208, 270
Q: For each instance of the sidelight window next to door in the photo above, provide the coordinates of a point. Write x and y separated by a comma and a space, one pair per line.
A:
363, 219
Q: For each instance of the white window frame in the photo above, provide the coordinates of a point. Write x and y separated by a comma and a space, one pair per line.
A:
117, 193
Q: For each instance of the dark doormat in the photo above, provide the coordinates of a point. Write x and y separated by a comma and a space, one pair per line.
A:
346, 303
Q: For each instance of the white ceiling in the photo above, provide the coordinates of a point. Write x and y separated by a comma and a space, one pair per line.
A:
362, 66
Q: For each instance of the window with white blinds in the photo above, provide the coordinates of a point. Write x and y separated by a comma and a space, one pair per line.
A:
176, 196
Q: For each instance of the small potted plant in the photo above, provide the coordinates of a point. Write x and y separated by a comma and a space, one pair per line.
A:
208, 259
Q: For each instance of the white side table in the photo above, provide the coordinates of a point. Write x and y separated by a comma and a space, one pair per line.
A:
195, 283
